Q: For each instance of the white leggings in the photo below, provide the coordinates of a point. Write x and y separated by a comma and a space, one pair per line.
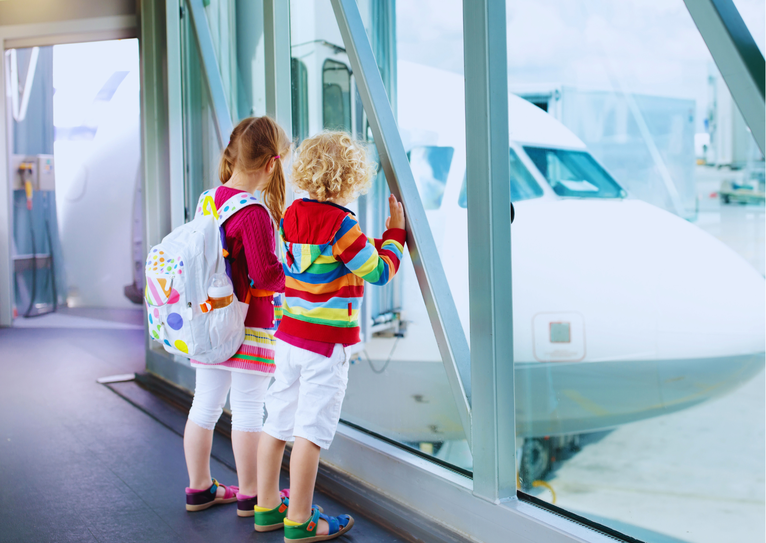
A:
248, 391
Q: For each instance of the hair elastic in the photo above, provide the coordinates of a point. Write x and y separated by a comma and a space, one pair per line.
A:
277, 156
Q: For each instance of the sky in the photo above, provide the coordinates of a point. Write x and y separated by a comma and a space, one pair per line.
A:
644, 46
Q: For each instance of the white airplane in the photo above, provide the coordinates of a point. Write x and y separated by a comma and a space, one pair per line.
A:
97, 120
621, 310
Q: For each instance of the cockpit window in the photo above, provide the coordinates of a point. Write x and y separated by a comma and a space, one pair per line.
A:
574, 173
430, 168
523, 185
336, 96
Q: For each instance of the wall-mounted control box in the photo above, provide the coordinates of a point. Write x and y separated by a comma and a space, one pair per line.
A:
38, 169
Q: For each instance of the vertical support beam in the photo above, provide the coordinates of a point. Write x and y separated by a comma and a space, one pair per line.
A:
154, 117
737, 57
152, 45
276, 39
442, 312
221, 114
6, 197
489, 248
175, 114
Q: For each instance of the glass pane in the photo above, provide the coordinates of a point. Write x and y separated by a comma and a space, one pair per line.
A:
398, 386
639, 329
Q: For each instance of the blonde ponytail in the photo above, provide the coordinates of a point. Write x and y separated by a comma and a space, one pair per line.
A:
274, 193
226, 167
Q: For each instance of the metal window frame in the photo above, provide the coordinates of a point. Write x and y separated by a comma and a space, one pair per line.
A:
156, 191
737, 57
175, 113
442, 312
386, 469
489, 248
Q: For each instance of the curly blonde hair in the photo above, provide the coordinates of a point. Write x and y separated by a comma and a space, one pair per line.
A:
332, 166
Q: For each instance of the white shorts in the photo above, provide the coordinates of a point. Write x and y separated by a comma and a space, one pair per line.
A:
307, 394
248, 391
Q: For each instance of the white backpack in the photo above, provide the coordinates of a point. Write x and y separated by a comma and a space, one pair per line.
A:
178, 272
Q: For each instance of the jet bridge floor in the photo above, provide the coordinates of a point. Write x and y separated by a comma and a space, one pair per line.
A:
80, 463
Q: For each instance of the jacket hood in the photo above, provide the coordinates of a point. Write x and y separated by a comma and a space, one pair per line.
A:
307, 232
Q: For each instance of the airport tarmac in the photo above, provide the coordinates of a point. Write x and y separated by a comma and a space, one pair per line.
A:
693, 476
741, 227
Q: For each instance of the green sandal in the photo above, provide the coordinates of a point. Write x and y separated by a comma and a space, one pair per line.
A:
268, 520
306, 532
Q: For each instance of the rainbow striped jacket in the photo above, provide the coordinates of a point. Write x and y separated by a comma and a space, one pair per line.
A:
326, 259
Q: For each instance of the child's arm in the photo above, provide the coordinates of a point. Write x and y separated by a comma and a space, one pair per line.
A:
375, 261
263, 266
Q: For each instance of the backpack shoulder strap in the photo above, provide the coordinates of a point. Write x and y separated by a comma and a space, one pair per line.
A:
206, 203
234, 204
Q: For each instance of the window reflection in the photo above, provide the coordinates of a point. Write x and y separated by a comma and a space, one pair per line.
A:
300, 98
430, 168
336, 96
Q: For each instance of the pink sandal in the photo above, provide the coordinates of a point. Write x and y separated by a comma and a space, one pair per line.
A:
246, 504
199, 500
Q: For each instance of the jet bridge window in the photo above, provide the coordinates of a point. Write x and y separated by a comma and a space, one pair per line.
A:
430, 168
300, 97
523, 185
574, 173
336, 96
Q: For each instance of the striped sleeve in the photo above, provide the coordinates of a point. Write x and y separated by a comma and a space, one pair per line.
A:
375, 261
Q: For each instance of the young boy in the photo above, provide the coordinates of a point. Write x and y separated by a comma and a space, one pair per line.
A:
327, 259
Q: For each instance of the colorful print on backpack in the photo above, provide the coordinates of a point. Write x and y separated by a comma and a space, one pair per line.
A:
162, 290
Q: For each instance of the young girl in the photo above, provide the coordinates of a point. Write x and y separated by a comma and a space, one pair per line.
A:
251, 162
327, 261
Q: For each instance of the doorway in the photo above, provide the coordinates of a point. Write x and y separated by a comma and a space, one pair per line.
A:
75, 149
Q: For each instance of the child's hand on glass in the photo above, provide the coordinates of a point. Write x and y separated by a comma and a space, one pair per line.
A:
396, 220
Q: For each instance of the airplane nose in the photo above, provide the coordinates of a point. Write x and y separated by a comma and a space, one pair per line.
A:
712, 299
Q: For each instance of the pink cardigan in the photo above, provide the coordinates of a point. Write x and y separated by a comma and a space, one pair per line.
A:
251, 242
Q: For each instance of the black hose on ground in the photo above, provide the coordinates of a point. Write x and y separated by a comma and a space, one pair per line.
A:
52, 268
34, 267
